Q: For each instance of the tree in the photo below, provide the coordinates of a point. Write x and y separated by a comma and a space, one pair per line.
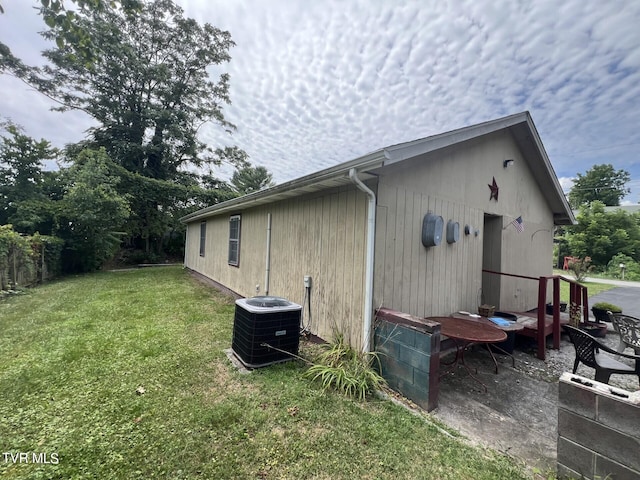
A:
22, 181
601, 182
147, 86
601, 235
92, 213
140, 69
251, 179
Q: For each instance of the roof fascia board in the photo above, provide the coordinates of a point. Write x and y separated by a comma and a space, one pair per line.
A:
367, 162
552, 174
398, 153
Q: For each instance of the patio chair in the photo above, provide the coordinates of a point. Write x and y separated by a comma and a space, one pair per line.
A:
628, 328
589, 351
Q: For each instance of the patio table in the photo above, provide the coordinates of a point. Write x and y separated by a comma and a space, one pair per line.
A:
511, 329
465, 332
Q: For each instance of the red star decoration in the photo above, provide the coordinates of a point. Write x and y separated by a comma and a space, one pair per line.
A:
494, 189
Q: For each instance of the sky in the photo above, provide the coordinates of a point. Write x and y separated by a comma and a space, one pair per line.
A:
314, 84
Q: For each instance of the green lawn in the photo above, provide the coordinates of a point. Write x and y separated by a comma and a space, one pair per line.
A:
593, 288
74, 352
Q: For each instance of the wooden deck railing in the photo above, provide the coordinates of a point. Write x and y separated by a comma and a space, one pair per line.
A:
578, 298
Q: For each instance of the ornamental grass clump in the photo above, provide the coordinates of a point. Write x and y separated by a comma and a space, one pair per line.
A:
344, 369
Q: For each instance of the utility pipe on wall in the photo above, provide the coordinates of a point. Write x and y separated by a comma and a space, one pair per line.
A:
371, 230
268, 259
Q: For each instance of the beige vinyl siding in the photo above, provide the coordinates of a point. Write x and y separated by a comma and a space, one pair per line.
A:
320, 235
454, 183
418, 280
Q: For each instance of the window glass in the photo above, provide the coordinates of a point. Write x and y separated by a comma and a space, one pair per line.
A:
234, 240
203, 237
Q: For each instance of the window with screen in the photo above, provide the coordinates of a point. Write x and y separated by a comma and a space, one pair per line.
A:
203, 237
234, 240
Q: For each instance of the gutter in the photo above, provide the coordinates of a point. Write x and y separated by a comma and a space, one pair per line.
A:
371, 230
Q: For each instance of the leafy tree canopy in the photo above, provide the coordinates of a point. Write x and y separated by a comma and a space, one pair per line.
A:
93, 212
602, 183
251, 179
601, 235
147, 84
22, 180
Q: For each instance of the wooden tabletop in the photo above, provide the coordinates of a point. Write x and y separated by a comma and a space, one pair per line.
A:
469, 330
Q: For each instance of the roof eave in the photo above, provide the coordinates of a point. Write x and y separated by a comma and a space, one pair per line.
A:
330, 177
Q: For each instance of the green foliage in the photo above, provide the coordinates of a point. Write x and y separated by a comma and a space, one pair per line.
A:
346, 370
602, 183
23, 258
610, 307
147, 85
22, 182
251, 179
93, 211
631, 267
580, 268
601, 235
142, 71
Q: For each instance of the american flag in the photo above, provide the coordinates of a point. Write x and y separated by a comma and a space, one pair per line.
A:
518, 224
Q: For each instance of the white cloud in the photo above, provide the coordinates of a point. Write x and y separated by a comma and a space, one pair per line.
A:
317, 83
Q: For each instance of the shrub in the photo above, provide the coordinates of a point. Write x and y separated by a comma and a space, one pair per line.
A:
609, 307
580, 268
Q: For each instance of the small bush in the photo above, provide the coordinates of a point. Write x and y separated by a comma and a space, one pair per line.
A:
609, 307
580, 268
346, 370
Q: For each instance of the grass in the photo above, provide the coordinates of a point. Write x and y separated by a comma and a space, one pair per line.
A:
73, 353
593, 288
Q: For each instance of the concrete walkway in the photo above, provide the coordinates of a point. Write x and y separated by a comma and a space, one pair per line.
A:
518, 414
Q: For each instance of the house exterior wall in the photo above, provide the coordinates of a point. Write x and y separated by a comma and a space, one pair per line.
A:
453, 183
321, 235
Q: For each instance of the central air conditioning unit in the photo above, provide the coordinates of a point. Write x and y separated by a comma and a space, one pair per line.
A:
263, 322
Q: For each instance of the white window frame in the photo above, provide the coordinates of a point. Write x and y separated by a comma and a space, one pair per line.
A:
234, 242
203, 237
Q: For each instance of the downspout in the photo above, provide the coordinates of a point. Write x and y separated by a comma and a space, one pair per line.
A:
268, 259
371, 230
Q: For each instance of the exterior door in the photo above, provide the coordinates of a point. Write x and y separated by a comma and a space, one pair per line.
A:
491, 260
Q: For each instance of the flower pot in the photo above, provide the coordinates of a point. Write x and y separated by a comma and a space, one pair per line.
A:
563, 308
600, 315
594, 329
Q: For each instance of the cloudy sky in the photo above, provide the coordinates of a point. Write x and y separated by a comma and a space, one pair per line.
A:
317, 83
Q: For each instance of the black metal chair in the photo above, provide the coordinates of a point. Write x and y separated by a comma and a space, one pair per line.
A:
628, 328
589, 351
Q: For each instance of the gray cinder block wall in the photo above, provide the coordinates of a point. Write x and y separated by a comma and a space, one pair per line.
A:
409, 351
598, 430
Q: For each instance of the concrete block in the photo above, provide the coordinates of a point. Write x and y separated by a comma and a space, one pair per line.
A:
564, 473
383, 329
415, 393
394, 368
404, 335
599, 438
387, 347
424, 342
576, 458
606, 468
421, 378
415, 358
577, 398
619, 415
